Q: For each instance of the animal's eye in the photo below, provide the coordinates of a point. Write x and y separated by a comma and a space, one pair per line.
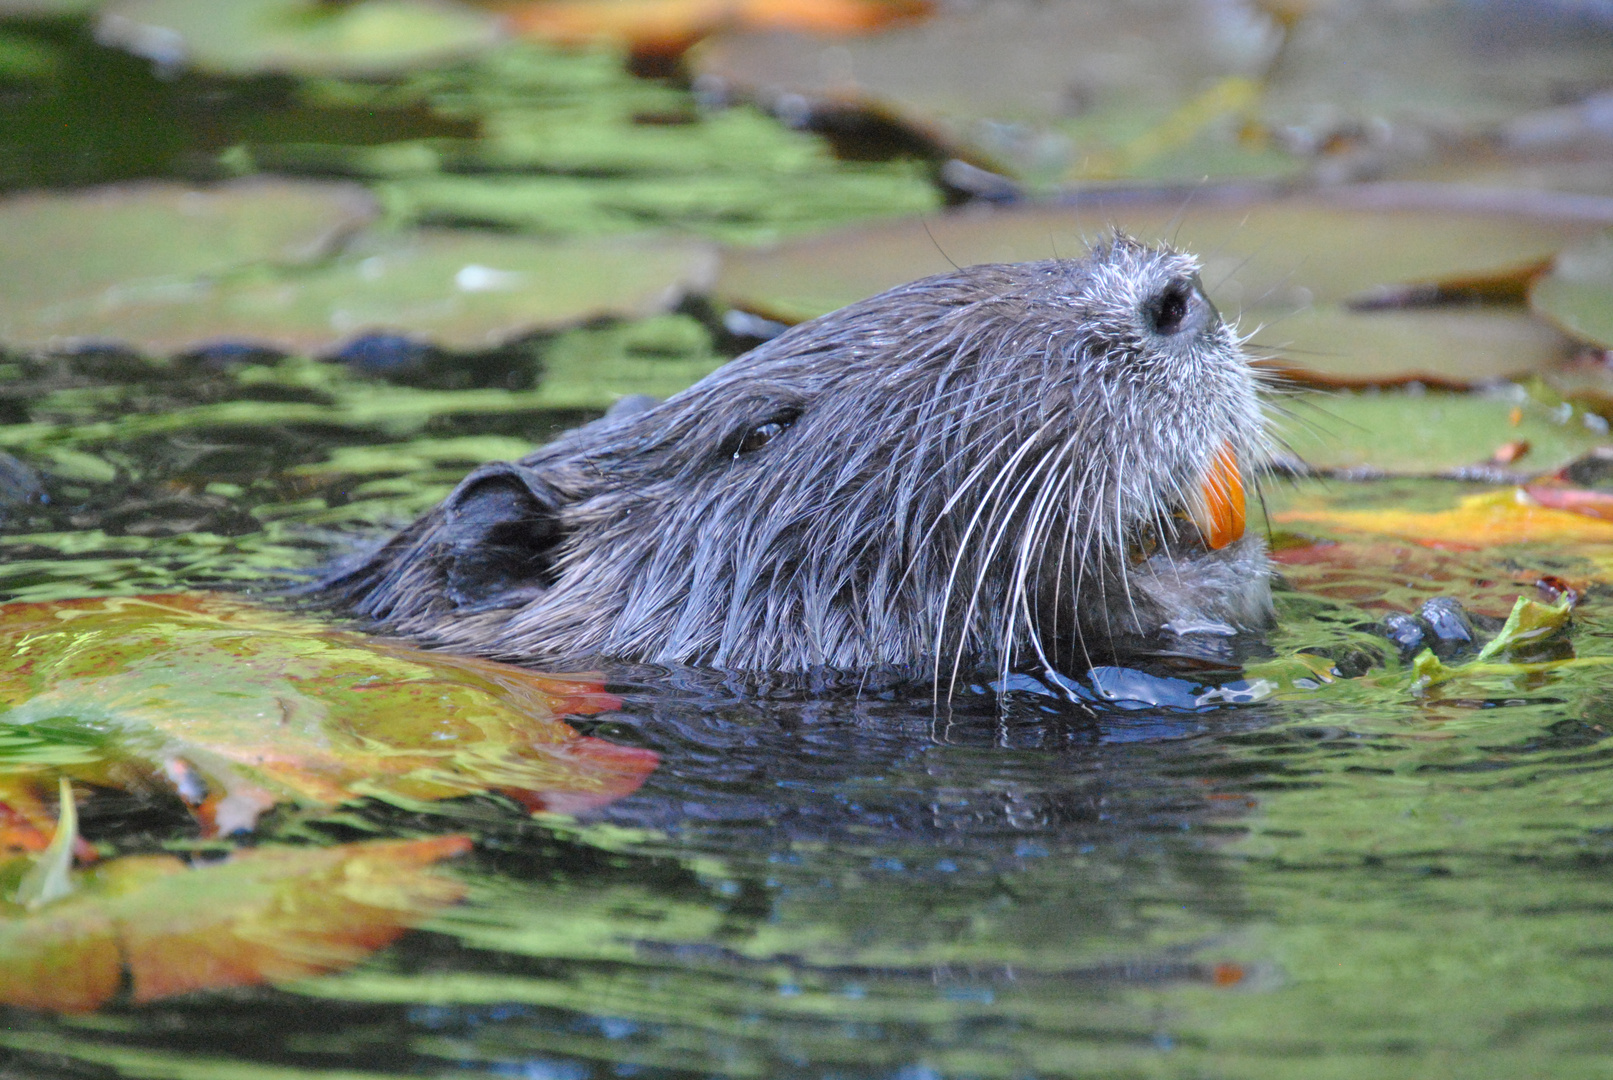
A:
1167, 311
760, 435
764, 433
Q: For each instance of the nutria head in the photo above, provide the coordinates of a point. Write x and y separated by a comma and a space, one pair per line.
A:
1005, 464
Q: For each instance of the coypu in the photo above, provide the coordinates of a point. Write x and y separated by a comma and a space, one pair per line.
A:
1006, 464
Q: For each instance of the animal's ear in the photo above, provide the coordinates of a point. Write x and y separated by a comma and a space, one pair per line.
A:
496, 538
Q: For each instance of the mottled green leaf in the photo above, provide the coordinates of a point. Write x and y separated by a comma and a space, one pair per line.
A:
83, 264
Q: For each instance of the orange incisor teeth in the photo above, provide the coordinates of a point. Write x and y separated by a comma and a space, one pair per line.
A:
1220, 511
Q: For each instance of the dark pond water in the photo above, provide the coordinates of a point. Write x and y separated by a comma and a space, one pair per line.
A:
1354, 879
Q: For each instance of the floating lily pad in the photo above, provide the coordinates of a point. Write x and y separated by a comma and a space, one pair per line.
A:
1045, 91
1578, 293
458, 290
79, 264
1508, 516
263, 915
301, 37
738, 207
1423, 434
1395, 74
1453, 347
1289, 264
241, 708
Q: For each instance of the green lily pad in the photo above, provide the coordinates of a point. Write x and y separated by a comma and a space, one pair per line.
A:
743, 207
1419, 434
1288, 264
1444, 69
1042, 91
1454, 347
301, 37
460, 290
1578, 293
79, 264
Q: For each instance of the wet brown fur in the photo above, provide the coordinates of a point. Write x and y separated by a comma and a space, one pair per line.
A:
984, 468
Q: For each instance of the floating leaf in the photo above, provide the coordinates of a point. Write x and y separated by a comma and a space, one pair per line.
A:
1477, 521
239, 708
459, 290
1454, 347
744, 207
1410, 73
1578, 293
262, 915
1596, 504
78, 264
1044, 91
301, 37
668, 27
1528, 621
1424, 434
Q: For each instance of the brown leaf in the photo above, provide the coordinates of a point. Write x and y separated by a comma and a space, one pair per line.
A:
263, 915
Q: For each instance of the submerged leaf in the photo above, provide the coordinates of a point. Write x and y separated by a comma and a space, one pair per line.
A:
263, 915
239, 707
48, 879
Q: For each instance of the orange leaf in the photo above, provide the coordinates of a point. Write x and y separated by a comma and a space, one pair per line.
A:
263, 915
1594, 504
1478, 521
670, 27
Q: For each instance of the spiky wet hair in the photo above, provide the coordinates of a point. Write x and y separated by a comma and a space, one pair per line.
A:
982, 468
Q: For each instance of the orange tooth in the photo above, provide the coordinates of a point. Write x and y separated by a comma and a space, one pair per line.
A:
1220, 516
